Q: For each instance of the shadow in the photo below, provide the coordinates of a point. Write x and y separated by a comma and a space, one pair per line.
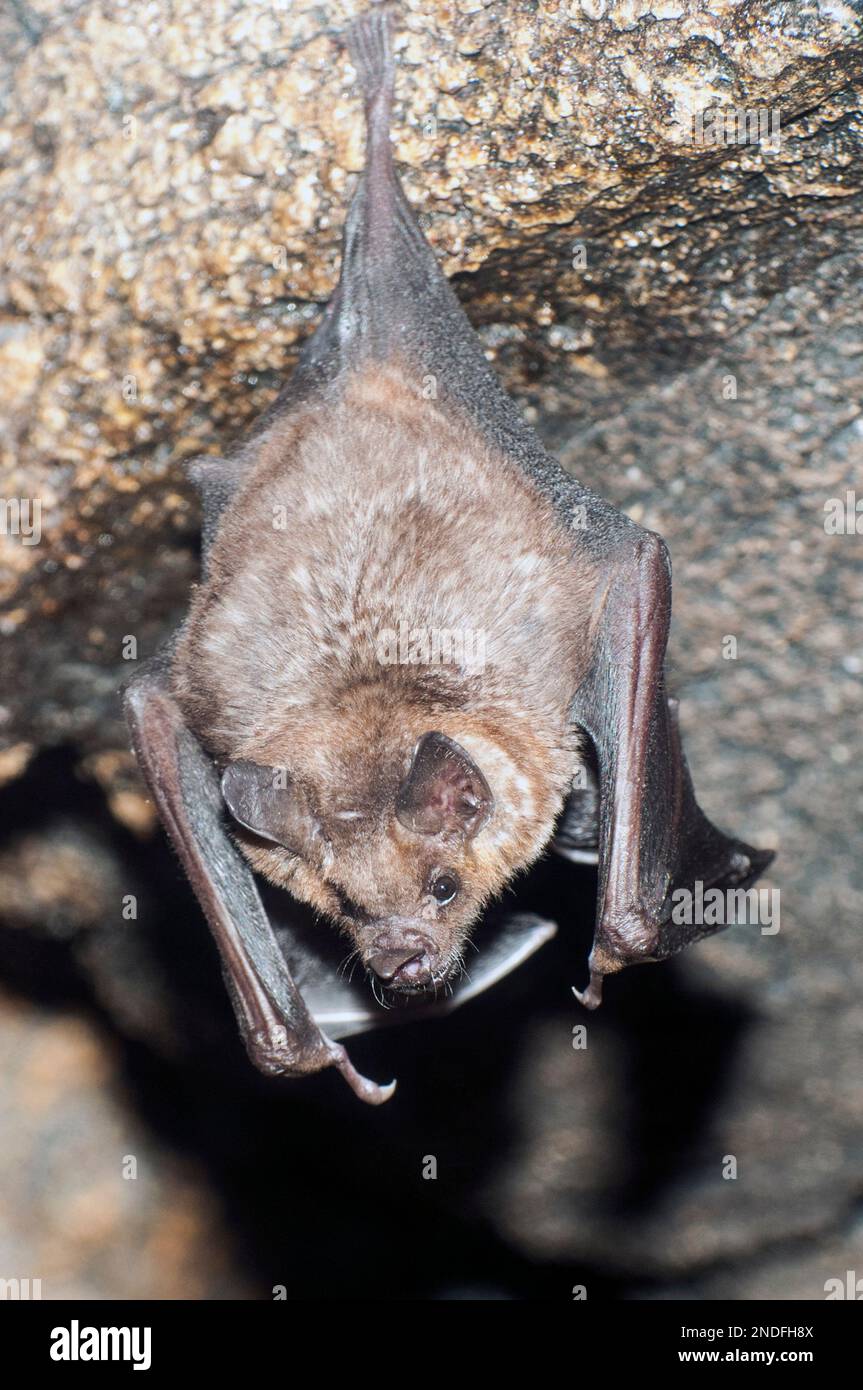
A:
682, 1046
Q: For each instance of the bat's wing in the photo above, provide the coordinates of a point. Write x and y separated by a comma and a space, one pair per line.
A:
280, 1034
653, 839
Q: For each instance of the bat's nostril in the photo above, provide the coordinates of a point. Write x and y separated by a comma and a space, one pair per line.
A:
395, 966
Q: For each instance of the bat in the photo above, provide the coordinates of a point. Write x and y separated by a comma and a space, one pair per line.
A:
420, 653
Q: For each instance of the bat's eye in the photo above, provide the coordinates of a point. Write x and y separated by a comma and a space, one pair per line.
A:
444, 888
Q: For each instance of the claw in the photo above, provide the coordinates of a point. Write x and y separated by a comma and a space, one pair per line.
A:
591, 997
369, 1091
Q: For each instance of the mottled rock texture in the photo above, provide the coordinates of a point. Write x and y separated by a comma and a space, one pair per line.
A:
683, 322
91, 1204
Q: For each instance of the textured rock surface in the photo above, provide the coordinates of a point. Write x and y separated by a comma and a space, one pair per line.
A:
90, 1203
176, 184
684, 325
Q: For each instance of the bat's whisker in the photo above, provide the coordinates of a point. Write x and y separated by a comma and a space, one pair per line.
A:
350, 961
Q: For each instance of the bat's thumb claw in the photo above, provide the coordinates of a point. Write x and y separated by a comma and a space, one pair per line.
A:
369, 1091
591, 997
381, 1093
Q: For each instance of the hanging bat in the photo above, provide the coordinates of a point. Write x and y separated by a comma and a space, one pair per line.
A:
418, 647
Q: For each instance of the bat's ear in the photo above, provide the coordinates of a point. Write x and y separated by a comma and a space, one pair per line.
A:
268, 802
444, 792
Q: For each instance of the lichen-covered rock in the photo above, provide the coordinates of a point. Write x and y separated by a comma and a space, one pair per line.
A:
175, 183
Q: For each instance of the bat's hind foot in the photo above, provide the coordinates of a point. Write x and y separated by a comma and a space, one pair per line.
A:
370, 45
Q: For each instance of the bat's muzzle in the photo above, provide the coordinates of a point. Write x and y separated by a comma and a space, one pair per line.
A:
398, 969
403, 961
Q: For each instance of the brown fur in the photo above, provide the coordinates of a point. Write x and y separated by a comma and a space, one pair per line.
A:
396, 512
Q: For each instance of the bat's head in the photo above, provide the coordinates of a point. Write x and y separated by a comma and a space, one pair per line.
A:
400, 846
